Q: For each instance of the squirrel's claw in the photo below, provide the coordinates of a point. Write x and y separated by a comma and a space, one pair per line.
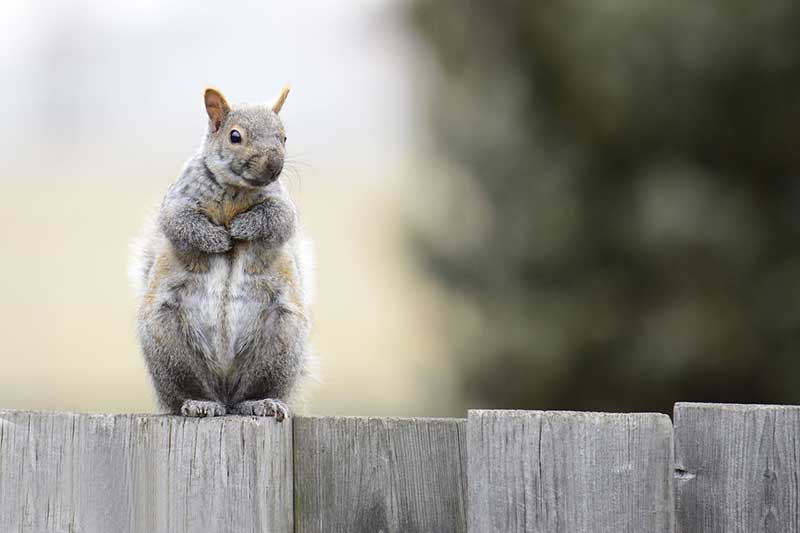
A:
265, 407
201, 408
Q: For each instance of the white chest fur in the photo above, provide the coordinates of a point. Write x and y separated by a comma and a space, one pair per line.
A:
219, 307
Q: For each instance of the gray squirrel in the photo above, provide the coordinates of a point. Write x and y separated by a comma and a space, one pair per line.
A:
222, 277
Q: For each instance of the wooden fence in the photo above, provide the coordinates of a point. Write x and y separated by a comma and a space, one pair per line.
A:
727, 468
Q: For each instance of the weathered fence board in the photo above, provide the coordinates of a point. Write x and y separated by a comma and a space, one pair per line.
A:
370, 474
66, 472
563, 471
737, 468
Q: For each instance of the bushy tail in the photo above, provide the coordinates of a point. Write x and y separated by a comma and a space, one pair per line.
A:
142, 256
304, 258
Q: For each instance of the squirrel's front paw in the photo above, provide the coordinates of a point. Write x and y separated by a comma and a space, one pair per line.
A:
265, 407
202, 408
217, 241
245, 227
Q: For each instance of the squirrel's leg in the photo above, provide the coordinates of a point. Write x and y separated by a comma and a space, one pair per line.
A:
183, 380
268, 363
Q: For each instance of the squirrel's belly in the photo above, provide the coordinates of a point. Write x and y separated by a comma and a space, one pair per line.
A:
204, 305
239, 305
240, 312
211, 307
221, 307
227, 304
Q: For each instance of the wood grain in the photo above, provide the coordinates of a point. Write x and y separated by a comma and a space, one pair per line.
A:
737, 468
573, 472
68, 472
369, 474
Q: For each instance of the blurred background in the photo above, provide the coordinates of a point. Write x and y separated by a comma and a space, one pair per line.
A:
541, 205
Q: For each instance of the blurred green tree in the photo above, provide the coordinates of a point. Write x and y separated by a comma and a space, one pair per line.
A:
628, 224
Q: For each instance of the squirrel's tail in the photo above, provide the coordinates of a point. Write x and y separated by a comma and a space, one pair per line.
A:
304, 258
142, 256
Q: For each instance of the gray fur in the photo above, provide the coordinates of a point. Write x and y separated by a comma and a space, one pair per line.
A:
222, 319
271, 221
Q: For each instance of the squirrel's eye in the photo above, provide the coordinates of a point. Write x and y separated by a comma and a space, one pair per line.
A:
236, 137
284, 139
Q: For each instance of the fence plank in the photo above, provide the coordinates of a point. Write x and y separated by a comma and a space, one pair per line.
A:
68, 472
370, 474
737, 467
564, 471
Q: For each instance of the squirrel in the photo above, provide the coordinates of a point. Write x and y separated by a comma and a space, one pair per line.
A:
223, 274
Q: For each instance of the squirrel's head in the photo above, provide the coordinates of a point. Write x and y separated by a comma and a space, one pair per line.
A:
245, 145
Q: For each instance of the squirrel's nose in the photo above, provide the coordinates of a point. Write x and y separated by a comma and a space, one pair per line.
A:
272, 169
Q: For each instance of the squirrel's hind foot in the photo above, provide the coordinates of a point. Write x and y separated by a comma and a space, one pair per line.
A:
202, 408
265, 407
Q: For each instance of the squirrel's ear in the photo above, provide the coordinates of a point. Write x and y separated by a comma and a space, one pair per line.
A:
216, 107
276, 107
